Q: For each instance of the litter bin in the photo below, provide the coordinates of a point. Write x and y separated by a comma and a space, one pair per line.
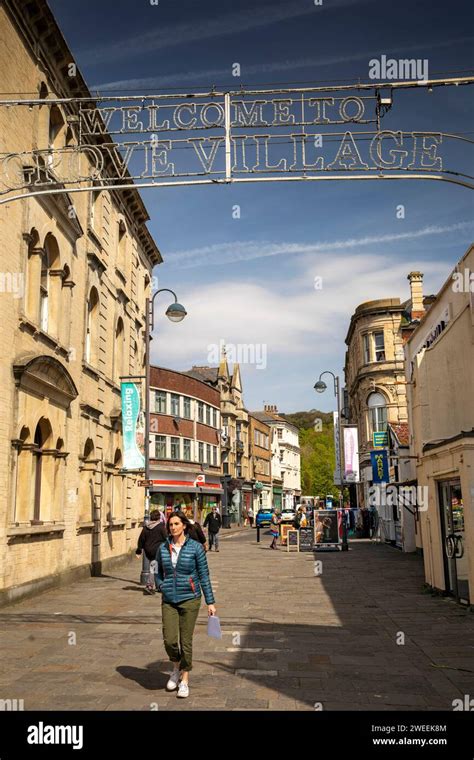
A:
226, 521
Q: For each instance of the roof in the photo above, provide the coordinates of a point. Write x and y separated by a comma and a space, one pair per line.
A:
204, 374
272, 417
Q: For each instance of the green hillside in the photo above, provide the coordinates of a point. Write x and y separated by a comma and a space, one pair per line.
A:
317, 451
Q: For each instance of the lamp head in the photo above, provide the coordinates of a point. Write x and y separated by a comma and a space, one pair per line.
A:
320, 386
176, 312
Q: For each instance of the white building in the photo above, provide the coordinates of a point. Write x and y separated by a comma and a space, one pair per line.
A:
286, 449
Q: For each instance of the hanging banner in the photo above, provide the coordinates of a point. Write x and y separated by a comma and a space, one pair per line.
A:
351, 455
133, 427
337, 449
379, 460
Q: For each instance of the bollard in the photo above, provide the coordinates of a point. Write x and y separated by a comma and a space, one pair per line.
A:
258, 534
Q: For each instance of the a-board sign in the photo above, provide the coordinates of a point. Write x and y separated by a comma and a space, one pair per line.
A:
293, 540
306, 540
325, 527
283, 532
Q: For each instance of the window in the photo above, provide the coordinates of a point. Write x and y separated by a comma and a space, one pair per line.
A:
366, 339
200, 411
377, 412
187, 407
118, 350
379, 346
160, 402
239, 431
187, 449
175, 405
175, 448
201, 452
214, 417
92, 327
280, 433
208, 458
214, 455
122, 241
160, 447
239, 471
208, 415
44, 293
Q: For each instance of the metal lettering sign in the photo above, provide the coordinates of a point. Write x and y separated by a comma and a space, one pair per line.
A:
296, 134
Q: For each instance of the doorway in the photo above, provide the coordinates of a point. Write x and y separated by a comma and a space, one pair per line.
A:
453, 535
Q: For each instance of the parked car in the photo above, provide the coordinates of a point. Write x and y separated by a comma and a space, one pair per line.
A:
288, 515
264, 517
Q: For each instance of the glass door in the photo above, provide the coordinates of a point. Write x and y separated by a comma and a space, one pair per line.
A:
455, 549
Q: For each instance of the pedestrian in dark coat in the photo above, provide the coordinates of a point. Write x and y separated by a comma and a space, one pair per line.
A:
213, 523
153, 534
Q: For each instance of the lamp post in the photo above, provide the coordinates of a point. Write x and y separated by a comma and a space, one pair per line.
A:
320, 386
175, 313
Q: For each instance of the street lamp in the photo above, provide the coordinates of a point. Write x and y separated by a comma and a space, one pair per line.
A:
320, 386
175, 313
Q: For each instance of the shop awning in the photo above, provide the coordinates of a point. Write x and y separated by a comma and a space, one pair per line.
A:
209, 491
174, 489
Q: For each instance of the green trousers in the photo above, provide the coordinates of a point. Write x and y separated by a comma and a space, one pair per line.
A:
179, 621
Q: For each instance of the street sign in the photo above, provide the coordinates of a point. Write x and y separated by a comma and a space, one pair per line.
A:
380, 439
145, 483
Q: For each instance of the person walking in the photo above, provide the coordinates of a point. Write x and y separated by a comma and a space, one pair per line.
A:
275, 529
213, 523
250, 516
153, 534
182, 576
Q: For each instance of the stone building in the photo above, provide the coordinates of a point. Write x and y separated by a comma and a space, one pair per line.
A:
235, 452
288, 453
185, 443
260, 462
70, 330
440, 380
376, 394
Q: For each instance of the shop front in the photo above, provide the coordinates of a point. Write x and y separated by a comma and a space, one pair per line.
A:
195, 498
455, 555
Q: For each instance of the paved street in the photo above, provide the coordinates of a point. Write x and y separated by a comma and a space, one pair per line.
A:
291, 639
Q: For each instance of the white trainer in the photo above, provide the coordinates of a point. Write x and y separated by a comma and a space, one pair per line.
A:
183, 689
173, 680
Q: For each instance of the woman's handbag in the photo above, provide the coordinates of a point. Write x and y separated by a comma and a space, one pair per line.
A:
214, 627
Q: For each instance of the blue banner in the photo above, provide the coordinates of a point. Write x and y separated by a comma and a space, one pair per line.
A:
132, 428
379, 460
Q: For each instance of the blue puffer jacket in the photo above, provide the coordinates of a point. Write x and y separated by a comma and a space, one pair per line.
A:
191, 574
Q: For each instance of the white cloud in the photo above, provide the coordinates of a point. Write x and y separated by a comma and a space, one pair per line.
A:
162, 37
266, 67
234, 251
291, 319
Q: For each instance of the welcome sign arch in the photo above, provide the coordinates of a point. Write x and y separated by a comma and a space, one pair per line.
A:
225, 137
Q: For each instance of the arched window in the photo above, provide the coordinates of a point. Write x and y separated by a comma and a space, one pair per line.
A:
121, 247
56, 125
86, 488
92, 327
117, 501
118, 350
377, 412
43, 435
50, 292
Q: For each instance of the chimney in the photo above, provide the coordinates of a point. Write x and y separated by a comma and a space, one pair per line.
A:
416, 290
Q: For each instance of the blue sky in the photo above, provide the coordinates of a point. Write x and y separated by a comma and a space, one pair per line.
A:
252, 280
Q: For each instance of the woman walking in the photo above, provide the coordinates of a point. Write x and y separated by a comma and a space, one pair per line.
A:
182, 572
275, 529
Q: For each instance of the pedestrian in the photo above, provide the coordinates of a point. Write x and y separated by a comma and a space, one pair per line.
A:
182, 573
251, 516
197, 533
153, 534
275, 529
213, 523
